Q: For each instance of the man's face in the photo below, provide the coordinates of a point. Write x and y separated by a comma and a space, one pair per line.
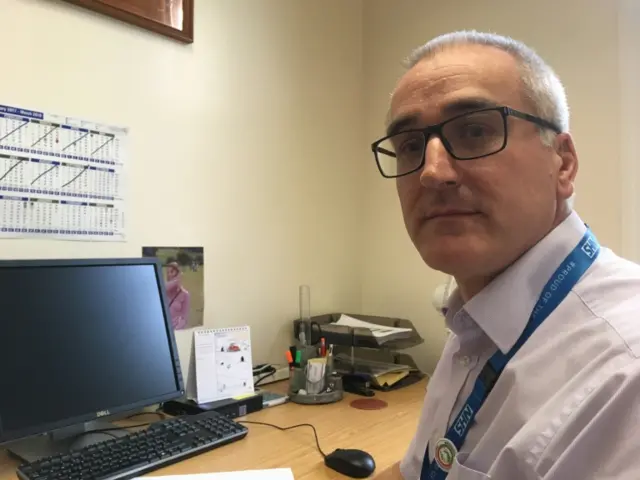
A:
473, 218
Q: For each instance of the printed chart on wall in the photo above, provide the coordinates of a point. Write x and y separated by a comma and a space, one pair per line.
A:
221, 361
60, 177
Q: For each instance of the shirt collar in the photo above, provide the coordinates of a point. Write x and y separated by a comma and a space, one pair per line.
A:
502, 309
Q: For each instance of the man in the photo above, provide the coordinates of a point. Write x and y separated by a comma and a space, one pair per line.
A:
540, 378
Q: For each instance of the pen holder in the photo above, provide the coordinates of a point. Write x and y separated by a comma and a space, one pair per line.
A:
297, 379
314, 383
307, 352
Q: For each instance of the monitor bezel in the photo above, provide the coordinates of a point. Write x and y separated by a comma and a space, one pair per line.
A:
14, 435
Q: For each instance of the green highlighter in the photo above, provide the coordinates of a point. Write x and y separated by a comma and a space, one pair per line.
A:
298, 358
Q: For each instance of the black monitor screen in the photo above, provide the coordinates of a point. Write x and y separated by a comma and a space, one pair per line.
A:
76, 340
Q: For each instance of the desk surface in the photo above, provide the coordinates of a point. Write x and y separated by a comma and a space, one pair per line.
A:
385, 434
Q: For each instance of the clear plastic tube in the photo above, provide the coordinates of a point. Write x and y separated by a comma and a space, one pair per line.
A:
304, 295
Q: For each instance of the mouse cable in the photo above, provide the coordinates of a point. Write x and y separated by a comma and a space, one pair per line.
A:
264, 377
315, 433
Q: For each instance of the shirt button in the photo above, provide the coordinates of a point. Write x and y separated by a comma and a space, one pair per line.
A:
465, 361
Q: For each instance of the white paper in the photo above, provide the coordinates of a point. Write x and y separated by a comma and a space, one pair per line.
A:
315, 376
274, 474
203, 347
61, 177
378, 331
223, 363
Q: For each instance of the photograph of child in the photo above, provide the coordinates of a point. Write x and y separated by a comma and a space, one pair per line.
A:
184, 282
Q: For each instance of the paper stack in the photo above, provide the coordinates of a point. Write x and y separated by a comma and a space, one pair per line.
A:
274, 474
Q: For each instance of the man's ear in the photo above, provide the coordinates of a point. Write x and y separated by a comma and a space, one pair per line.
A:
567, 163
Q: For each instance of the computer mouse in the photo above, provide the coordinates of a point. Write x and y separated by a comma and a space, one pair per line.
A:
352, 463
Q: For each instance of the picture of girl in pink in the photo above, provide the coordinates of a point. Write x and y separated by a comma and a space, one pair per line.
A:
178, 297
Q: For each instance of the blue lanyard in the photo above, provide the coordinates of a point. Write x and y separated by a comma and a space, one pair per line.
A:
557, 288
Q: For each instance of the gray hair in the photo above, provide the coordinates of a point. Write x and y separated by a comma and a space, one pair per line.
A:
542, 86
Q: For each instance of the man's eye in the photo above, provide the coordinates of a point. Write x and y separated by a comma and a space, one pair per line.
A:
409, 146
475, 130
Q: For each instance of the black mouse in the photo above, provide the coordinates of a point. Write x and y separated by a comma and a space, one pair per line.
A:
352, 463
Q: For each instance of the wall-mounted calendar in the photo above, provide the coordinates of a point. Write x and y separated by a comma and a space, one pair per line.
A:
60, 177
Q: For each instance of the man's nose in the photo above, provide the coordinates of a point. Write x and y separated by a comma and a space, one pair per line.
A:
438, 171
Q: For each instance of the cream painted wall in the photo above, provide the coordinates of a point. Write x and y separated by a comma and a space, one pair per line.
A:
579, 38
243, 142
629, 39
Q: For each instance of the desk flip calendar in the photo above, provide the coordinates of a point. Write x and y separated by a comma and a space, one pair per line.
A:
220, 366
60, 177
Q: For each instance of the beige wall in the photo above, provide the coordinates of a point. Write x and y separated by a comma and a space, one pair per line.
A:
629, 60
243, 142
579, 38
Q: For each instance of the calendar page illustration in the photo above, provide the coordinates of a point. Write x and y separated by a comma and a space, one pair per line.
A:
61, 177
234, 367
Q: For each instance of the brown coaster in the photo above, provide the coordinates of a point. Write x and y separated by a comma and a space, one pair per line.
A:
369, 404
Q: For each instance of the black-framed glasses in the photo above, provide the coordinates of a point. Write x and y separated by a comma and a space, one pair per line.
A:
472, 135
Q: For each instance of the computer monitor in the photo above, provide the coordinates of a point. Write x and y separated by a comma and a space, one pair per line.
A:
80, 340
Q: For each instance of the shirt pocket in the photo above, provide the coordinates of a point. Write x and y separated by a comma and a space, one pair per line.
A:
460, 472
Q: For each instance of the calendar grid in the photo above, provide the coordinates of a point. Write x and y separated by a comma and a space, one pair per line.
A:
60, 177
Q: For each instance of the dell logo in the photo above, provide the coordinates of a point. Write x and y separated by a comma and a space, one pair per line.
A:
103, 413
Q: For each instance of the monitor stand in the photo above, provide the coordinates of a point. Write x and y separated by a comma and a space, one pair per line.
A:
62, 441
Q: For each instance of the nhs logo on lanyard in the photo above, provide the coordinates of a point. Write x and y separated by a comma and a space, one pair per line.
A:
590, 247
460, 427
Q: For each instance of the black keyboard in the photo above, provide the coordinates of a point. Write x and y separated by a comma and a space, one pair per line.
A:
162, 444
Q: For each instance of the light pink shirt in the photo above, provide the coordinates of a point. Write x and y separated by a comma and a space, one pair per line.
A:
567, 406
179, 303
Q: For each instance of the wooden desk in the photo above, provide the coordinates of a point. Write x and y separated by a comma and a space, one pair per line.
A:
385, 434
